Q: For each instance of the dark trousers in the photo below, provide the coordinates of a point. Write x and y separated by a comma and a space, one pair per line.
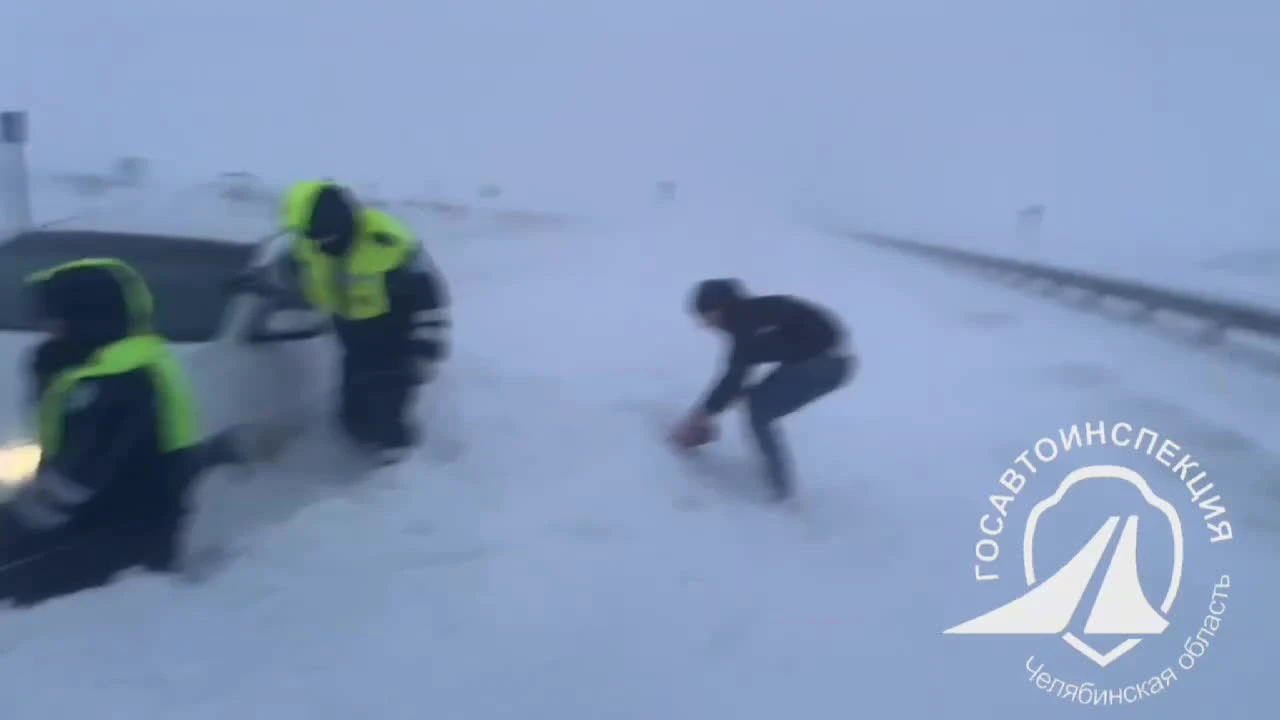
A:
374, 405
69, 562
782, 392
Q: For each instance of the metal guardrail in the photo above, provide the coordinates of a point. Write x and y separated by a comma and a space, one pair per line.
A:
1221, 314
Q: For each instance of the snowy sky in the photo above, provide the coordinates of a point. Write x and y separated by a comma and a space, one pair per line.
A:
1152, 117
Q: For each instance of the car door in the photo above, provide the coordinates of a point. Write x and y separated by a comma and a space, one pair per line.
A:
286, 347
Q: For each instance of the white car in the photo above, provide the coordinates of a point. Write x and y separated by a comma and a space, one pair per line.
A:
251, 360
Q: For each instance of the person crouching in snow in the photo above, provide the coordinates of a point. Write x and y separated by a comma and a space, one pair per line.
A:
119, 438
807, 343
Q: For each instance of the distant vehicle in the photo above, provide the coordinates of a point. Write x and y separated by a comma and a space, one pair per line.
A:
250, 359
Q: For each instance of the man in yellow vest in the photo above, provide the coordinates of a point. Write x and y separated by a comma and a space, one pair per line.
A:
120, 446
388, 302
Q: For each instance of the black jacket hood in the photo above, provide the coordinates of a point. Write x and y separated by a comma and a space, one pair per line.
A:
91, 304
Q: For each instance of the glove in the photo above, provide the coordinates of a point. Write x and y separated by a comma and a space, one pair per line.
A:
695, 431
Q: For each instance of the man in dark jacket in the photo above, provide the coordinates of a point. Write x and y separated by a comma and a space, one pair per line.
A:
388, 302
805, 341
118, 436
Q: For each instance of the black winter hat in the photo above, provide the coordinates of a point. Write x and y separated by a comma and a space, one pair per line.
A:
333, 215
717, 294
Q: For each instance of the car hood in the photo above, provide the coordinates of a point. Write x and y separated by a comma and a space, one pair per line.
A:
15, 423
18, 453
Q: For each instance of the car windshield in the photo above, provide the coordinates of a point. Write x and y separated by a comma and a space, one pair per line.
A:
188, 277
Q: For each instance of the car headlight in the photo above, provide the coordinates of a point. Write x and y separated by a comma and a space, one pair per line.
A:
18, 464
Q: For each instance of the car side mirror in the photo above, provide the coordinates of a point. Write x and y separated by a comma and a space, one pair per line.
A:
286, 324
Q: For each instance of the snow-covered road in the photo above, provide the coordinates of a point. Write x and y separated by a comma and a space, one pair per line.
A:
566, 565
